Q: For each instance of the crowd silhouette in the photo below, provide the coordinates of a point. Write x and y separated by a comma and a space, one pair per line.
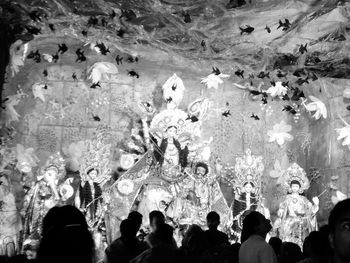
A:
66, 238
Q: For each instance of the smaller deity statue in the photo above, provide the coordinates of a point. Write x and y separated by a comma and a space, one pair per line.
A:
43, 196
90, 197
246, 185
10, 220
296, 214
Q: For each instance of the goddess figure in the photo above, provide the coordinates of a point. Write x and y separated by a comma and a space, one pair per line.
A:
247, 184
296, 214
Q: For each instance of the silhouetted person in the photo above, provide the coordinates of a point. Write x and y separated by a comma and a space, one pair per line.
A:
164, 248
126, 247
66, 238
316, 248
276, 243
213, 235
254, 248
339, 232
137, 218
156, 218
194, 244
290, 253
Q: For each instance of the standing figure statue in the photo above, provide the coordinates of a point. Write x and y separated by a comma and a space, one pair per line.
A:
296, 214
90, 198
247, 184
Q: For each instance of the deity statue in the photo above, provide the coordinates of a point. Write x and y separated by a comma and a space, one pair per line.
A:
296, 214
10, 220
90, 197
171, 141
43, 196
247, 185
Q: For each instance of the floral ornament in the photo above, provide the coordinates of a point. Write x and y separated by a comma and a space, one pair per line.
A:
280, 134
277, 90
26, 159
127, 161
317, 106
125, 186
339, 196
280, 167
344, 133
48, 57
18, 53
213, 80
101, 70
173, 91
10, 103
75, 151
39, 90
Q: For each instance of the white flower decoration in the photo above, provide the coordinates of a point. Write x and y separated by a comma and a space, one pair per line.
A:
280, 134
125, 186
212, 81
26, 159
344, 133
38, 90
18, 53
48, 57
127, 161
317, 106
173, 90
100, 70
277, 90
339, 196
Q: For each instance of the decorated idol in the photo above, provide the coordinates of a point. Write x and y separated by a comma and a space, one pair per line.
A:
247, 185
43, 196
90, 196
296, 214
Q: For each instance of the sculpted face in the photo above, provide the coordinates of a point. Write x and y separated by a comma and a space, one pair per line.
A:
200, 170
171, 132
295, 188
248, 188
51, 175
93, 174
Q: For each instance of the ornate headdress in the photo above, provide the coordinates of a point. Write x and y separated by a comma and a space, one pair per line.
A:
55, 162
296, 173
248, 169
96, 156
167, 118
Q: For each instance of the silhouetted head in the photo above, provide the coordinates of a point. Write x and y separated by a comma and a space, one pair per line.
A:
339, 231
127, 228
156, 218
290, 253
66, 238
255, 224
137, 218
213, 220
276, 244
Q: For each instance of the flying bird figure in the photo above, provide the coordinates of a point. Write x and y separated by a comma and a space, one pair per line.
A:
239, 73
268, 29
255, 117
263, 74
81, 57
101, 48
